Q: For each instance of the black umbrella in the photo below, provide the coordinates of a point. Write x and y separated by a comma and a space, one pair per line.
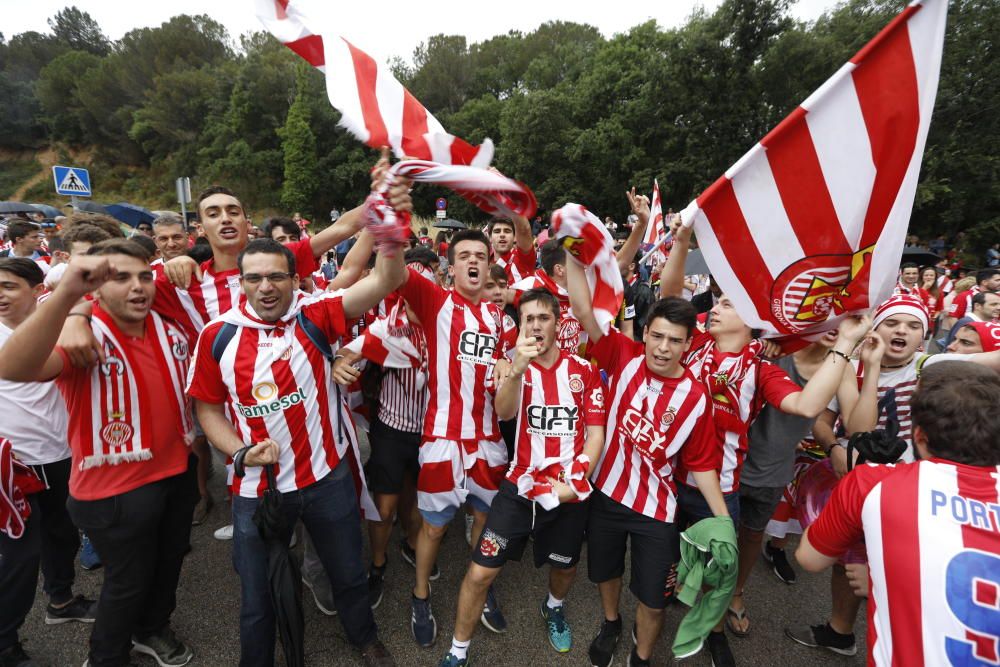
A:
695, 264
919, 255
130, 214
48, 211
91, 207
17, 207
283, 573
450, 223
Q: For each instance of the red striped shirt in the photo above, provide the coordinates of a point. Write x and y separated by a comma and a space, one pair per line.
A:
651, 420
518, 264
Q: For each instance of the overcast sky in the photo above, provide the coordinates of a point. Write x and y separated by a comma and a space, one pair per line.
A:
403, 25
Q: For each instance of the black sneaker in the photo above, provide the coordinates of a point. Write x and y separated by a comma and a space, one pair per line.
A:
823, 636
602, 649
422, 623
165, 648
376, 655
14, 656
779, 563
410, 556
376, 584
718, 648
80, 609
635, 661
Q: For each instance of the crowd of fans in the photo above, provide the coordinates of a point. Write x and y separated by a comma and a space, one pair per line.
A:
475, 367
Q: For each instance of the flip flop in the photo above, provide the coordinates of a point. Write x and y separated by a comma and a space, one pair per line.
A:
739, 615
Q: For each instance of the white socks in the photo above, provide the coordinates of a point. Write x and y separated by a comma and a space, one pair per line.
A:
460, 649
552, 602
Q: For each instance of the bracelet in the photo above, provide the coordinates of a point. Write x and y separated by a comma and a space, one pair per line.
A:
839, 354
239, 467
89, 319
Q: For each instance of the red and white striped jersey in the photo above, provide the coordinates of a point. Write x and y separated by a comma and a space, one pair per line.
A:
276, 384
157, 266
932, 530
570, 335
653, 423
464, 341
202, 302
518, 264
961, 306
739, 383
557, 406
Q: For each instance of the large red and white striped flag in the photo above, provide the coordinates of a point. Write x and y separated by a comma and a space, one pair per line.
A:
374, 106
654, 230
810, 224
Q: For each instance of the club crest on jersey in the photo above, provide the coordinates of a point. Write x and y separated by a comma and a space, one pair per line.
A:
178, 347
667, 418
818, 287
117, 433
111, 365
491, 544
575, 383
476, 347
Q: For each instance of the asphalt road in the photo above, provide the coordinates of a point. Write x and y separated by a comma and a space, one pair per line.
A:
208, 607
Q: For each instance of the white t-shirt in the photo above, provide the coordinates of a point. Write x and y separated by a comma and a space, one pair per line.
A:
33, 418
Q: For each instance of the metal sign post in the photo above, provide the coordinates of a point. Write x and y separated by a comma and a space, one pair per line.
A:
183, 186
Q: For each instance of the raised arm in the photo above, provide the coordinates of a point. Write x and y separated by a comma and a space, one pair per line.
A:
640, 207
29, 354
580, 300
346, 226
389, 273
522, 233
672, 278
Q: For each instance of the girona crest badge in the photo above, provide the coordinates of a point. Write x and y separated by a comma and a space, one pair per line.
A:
819, 287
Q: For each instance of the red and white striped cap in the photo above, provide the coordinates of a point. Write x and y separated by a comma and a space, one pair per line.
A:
901, 304
989, 334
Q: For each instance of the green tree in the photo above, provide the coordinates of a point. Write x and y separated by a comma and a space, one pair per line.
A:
298, 144
79, 31
57, 91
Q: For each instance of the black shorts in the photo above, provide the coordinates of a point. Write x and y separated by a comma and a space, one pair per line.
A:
654, 545
757, 505
393, 458
558, 533
692, 506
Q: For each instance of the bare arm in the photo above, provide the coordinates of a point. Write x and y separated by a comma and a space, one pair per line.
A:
389, 273
354, 263
222, 434
672, 278
29, 354
593, 446
508, 395
640, 206
579, 299
522, 234
346, 226
708, 484
823, 385
810, 558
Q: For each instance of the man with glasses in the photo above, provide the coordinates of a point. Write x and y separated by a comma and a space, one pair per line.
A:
263, 363
145, 228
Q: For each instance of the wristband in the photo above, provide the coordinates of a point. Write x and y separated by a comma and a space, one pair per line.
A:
839, 354
89, 320
239, 467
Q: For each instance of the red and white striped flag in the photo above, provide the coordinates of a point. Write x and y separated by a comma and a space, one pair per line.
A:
654, 230
810, 224
590, 243
374, 106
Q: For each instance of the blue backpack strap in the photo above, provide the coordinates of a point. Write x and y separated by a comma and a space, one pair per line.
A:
316, 335
222, 338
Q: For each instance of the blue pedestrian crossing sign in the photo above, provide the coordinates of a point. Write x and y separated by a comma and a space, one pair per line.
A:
71, 181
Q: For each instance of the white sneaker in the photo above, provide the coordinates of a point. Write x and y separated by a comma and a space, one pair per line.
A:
468, 528
224, 533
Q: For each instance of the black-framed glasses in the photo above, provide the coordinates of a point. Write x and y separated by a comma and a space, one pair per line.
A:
273, 278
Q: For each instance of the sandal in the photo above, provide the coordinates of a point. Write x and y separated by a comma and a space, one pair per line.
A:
738, 615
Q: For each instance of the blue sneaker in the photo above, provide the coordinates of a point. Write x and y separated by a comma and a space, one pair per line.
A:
422, 623
449, 660
89, 560
492, 617
560, 636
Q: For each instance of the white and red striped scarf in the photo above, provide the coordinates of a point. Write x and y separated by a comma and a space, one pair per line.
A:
123, 412
17, 481
535, 485
392, 342
588, 241
490, 190
374, 106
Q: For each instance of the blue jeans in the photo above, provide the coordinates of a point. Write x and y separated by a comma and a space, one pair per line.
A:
329, 510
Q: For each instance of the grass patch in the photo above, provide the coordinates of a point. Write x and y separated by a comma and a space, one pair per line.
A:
14, 173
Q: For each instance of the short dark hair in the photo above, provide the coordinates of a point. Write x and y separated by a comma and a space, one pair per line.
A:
676, 311
466, 235
104, 222
499, 220
22, 267
201, 251
18, 229
85, 232
908, 265
56, 244
955, 404
982, 275
551, 253
267, 247
498, 273
287, 225
126, 247
146, 242
216, 190
423, 231
539, 294
422, 255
